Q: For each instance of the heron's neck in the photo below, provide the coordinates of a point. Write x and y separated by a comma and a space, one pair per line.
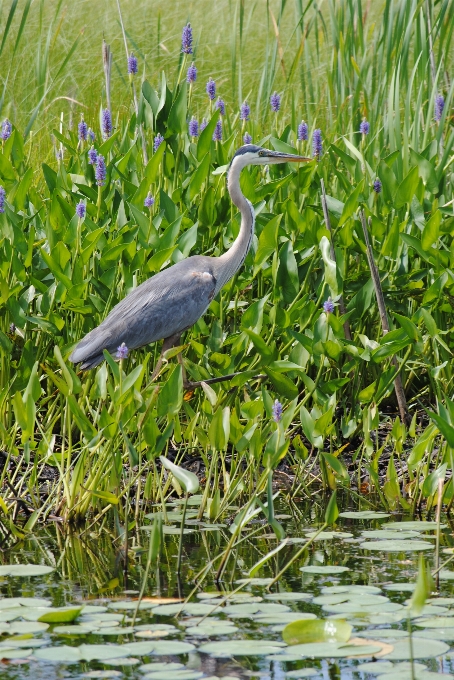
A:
231, 261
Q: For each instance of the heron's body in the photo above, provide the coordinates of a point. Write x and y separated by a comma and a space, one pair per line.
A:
173, 300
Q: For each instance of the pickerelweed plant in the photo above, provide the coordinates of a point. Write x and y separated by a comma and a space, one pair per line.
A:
154, 192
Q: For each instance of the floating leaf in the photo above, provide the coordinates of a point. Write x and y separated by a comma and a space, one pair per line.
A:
225, 649
317, 630
25, 570
364, 514
405, 545
323, 569
63, 615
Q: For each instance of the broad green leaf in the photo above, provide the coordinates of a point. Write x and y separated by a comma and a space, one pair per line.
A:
406, 189
206, 136
316, 630
351, 204
332, 511
170, 395
187, 479
332, 275
63, 615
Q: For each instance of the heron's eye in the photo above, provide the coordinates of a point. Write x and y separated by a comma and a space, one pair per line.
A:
262, 153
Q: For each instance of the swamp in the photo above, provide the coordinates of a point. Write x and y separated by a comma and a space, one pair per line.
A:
226, 339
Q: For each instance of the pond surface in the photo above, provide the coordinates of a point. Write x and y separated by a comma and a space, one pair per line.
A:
363, 571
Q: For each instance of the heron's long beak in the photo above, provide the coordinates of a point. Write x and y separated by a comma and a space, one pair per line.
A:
279, 157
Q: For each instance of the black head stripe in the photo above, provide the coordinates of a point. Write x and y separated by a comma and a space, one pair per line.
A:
247, 148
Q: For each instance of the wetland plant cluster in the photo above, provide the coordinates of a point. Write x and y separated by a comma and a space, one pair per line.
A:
133, 190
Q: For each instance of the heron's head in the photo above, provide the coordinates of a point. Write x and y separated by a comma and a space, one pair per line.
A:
250, 154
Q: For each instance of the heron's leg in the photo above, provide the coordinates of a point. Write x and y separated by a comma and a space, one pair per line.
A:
171, 341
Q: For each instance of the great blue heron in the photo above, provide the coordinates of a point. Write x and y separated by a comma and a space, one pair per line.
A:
170, 302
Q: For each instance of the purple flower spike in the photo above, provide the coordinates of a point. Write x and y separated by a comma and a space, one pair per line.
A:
149, 201
106, 123
158, 140
82, 130
245, 111
193, 127
377, 186
6, 131
100, 171
328, 306
211, 89
91, 135
277, 411
92, 156
191, 76
81, 210
275, 101
186, 39
133, 66
122, 352
2, 199
303, 132
203, 124
217, 135
317, 145
220, 104
364, 127
247, 139
439, 106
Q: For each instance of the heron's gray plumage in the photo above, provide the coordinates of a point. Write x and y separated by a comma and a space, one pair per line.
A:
173, 300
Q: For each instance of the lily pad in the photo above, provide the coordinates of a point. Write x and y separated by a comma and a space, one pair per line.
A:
423, 648
405, 545
446, 575
328, 650
211, 631
61, 615
323, 569
161, 666
438, 622
363, 514
183, 674
302, 673
288, 597
102, 674
383, 534
225, 649
412, 526
317, 630
328, 535
25, 570
167, 647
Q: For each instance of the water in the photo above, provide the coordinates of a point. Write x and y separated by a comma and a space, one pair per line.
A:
89, 569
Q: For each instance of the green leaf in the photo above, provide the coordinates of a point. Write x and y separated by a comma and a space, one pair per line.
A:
332, 511
282, 384
423, 589
430, 486
431, 231
188, 480
332, 275
337, 465
267, 242
206, 136
64, 615
316, 630
151, 96
170, 396
445, 428
105, 496
407, 188
176, 121
258, 565
426, 171
351, 204
408, 326
259, 344
199, 176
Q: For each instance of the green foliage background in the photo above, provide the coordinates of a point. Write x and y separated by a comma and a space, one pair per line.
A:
334, 64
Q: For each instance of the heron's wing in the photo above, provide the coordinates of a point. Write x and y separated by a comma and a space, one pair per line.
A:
164, 305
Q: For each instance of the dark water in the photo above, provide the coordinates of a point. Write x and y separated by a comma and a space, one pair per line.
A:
89, 568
